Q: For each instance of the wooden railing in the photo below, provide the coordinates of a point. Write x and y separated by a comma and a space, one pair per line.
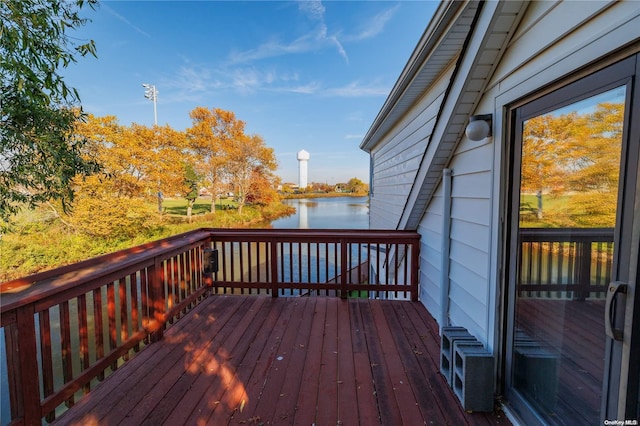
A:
66, 329
573, 263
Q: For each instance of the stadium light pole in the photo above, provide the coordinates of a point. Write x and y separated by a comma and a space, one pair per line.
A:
152, 94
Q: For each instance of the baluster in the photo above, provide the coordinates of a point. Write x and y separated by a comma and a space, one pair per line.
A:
224, 265
46, 358
300, 256
240, 277
250, 265
98, 326
274, 267
172, 284
407, 279
571, 264
147, 304
84, 337
387, 252
318, 261
309, 280
584, 274
111, 312
157, 297
188, 276
135, 318
396, 268
561, 262
21, 343
124, 313
344, 269
65, 342
291, 266
184, 290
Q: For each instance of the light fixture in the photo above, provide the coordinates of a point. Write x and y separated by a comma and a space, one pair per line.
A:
479, 127
151, 93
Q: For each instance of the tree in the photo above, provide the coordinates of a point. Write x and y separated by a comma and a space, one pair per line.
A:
357, 186
190, 188
142, 160
249, 163
139, 163
39, 156
99, 212
224, 153
576, 156
209, 136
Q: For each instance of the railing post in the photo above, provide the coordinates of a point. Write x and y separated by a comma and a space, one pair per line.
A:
584, 273
344, 269
274, 267
156, 295
415, 269
26, 363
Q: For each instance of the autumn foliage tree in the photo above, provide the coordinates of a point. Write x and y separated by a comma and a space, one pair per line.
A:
225, 154
138, 162
210, 133
576, 156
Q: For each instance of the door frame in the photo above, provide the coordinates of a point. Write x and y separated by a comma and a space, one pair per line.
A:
621, 381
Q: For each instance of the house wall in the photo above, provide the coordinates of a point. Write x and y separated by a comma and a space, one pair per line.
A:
396, 159
552, 41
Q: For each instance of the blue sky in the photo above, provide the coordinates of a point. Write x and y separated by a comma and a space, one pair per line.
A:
303, 75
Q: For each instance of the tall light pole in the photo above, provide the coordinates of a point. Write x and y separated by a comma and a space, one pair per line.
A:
152, 94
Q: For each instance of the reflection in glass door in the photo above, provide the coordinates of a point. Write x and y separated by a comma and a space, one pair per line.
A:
568, 197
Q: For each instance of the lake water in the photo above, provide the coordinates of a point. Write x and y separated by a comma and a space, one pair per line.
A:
326, 213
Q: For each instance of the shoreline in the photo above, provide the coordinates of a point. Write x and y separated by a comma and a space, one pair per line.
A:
322, 195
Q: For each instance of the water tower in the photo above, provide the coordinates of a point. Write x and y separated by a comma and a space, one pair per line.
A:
303, 158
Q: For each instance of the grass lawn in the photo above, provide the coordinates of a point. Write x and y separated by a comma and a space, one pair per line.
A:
178, 206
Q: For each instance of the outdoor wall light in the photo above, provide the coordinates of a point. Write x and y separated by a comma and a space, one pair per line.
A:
210, 261
479, 127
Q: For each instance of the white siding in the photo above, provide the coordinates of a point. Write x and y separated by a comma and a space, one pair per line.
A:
430, 229
553, 40
546, 47
469, 237
397, 158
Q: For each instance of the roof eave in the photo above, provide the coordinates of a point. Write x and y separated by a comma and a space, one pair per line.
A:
431, 38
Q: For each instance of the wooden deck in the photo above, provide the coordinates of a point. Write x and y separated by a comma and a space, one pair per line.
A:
302, 361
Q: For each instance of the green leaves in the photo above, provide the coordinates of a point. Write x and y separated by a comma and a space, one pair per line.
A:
38, 155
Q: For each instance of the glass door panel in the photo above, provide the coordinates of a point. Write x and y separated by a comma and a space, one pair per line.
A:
568, 198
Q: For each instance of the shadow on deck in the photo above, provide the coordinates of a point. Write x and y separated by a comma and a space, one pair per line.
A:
303, 361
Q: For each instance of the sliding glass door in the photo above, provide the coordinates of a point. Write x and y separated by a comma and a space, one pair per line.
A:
574, 181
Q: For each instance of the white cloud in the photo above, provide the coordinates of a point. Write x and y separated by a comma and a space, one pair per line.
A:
317, 39
312, 8
355, 90
374, 26
354, 136
123, 19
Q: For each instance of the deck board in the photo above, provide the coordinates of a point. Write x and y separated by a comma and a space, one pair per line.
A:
308, 360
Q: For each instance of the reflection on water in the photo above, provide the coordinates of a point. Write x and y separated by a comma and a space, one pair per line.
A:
326, 213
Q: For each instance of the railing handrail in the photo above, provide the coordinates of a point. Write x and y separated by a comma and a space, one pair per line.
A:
566, 234
25, 290
22, 291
